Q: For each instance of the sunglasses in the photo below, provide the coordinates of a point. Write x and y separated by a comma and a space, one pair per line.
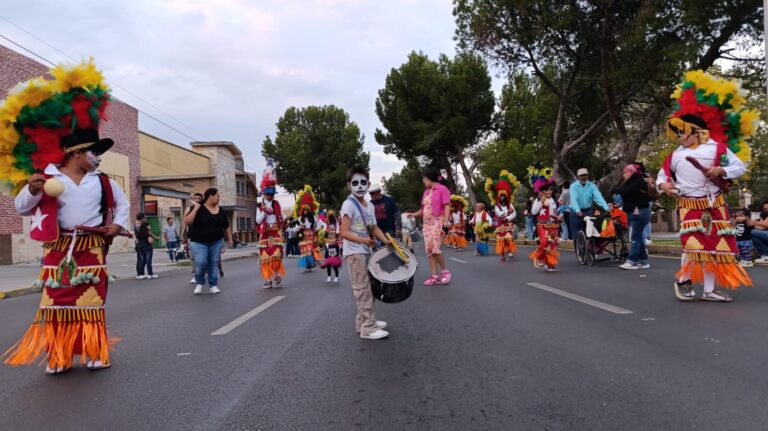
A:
356, 183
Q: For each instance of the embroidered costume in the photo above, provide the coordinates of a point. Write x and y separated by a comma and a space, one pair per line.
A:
711, 127
457, 224
482, 223
306, 210
329, 237
501, 193
269, 218
544, 209
42, 124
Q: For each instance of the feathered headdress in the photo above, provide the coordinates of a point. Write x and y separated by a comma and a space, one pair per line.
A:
306, 200
539, 177
459, 202
506, 184
43, 119
269, 179
714, 106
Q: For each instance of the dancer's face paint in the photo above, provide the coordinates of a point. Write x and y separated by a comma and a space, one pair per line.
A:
93, 160
359, 185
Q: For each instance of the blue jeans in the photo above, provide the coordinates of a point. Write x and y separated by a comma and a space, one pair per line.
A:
529, 226
760, 241
638, 254
564, 226
647, 229
144, 259
206, 261
172, 246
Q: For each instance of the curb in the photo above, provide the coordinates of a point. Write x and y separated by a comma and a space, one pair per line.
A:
30, 290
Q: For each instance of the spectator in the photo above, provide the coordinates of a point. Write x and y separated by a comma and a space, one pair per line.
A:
743, 236
634, 195
144, 239
530, 232
171, 237
583, 194
196, 198
760, 235
564, 209
386, 210
209, 226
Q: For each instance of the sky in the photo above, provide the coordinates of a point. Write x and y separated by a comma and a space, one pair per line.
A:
228, 69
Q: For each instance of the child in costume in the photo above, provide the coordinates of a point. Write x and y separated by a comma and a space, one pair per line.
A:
544, 209
482, 223
456, 224
269, 219
306, 210
501, 193
332, 248
710, 127
50, 141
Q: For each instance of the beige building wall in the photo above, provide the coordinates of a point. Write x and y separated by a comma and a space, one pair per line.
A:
118, 168
223, 166
161, 158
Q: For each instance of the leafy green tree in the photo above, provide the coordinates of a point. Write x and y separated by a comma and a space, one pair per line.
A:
437, 110
406, 187
316, 145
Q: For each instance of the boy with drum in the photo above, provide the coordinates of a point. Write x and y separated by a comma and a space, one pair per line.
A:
358, 226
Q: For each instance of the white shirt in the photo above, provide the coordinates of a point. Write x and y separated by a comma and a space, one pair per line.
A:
271, 218
358, 225
79, 204
505, 213
538, 205
478, 218
691, 182
456, 218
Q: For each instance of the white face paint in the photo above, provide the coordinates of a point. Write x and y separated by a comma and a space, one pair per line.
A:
359, 185
93, 159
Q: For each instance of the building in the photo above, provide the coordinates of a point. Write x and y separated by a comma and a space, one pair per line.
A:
121, 162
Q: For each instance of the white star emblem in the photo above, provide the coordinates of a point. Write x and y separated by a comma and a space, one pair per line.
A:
37, 219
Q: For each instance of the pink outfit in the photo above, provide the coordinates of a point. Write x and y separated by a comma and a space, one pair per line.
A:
433, 224
440, 196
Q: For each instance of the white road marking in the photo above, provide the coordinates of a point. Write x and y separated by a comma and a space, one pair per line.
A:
458, 260
592, 302
224, 330
183, 354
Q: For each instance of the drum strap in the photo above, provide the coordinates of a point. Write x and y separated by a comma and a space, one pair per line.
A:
362, 215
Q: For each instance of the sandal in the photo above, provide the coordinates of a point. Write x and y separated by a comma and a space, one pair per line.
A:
715, 296
268, 285
684, 290
50, 371
96, 365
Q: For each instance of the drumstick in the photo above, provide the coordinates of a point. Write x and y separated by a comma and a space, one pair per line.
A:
720, 182
102, 230
398, 250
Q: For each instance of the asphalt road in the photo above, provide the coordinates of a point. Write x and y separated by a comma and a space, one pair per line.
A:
488, 352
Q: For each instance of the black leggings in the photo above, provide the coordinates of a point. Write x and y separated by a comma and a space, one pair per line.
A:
335, 270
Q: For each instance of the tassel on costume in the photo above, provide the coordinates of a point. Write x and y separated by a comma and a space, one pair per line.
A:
728, 273
272, 267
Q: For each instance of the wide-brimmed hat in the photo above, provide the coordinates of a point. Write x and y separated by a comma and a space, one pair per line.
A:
582, 171
374, 188
85, 140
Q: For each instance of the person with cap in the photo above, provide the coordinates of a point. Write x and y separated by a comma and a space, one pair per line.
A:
583, 194
386, 210
269, 219
75, 212
711, 131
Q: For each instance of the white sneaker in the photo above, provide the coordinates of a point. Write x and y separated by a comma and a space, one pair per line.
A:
193, 281
328, 280
627, 265
762, 260
141, 277
335, 279
214, 290
642, 266
380, 324
376, 335
96, 365
199, 289
746, 263
153, 276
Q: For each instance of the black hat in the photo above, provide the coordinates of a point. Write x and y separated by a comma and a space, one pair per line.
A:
86, 140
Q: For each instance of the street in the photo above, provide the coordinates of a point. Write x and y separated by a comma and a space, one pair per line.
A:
503, 347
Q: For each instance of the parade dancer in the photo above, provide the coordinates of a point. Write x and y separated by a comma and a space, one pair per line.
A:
501, 192
710, 127
269, 218
457, 224
306, 210
51, 130
482, 223
332, 248
544, 209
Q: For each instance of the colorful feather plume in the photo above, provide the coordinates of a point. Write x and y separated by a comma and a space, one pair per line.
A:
306, 199
539, 177
506, 183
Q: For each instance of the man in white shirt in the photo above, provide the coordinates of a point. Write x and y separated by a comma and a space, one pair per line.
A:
705, 232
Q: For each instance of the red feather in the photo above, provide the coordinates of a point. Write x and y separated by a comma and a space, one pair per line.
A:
48, 145
80, 106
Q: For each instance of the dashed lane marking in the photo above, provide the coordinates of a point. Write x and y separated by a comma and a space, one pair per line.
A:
224, 330
582, 299
458, 260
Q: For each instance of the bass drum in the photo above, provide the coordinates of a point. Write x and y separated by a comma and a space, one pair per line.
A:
391, 278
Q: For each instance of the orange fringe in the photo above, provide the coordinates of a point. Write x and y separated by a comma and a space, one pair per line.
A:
272, 267
505, 245
729, 275
551, 257
57, 331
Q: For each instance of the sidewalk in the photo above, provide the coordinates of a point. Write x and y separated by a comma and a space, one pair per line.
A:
16, 280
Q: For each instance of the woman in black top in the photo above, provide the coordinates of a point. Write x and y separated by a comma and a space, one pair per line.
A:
208, 228
144, 239
634, 193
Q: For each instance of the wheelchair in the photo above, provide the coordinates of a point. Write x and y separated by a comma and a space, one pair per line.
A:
590, 244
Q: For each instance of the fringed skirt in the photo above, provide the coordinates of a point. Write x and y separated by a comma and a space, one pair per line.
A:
271, 253
546, 252
505, 239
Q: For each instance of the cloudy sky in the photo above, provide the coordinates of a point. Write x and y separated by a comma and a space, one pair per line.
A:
227, 69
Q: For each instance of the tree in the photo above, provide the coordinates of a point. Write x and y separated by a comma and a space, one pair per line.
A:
406, 187
316, 145
610, 64
438, 110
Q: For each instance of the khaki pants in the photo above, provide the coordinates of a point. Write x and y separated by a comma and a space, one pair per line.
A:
361, 288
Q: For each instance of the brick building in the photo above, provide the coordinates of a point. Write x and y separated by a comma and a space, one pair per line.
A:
121, 162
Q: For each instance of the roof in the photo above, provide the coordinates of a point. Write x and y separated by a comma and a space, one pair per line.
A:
231, 146
171, 143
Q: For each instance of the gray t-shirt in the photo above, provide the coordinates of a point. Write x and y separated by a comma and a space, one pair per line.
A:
170, 232
350, 210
